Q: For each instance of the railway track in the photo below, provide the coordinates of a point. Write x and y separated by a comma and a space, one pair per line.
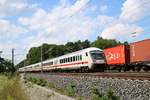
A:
132, 76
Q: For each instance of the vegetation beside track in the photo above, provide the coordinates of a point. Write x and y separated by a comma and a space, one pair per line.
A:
10, 88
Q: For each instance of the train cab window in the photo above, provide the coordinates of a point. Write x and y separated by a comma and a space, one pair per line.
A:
98, 55
86, 54
80, 57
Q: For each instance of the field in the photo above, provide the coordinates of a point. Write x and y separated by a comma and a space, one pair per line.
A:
10, 88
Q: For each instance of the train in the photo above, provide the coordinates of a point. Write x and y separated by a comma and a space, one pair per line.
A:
134, 56
82, 61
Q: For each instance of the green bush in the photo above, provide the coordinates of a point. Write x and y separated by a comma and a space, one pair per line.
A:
71, 90
38, 81
96, 95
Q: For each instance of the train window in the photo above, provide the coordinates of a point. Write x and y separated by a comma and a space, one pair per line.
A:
80, 57
68, 59
86, 54
76, 58
49, 63
71, 59
98, 55
64, 60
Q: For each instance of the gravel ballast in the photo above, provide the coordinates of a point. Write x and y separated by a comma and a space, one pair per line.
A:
125, 89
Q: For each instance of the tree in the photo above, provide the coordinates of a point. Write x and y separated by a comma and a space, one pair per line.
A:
85, 44
6, 66
126, 43
34, 55
104, 43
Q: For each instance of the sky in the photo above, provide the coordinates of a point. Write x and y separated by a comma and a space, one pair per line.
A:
30, 23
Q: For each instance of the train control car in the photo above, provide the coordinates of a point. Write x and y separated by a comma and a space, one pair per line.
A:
82, 60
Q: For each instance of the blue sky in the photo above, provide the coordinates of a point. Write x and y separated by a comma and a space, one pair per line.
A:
28, 23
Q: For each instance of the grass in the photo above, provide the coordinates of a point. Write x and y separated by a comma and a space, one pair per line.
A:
96, 95
10, 88
70, 90
38, 81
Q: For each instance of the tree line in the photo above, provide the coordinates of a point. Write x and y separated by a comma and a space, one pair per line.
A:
6, 66
52, 50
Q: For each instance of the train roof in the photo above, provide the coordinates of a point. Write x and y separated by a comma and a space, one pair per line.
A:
83, 50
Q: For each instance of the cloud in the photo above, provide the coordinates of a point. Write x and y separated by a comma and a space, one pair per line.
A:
12, 7
10, 30
131, 12
63, 23
134, 10
121, 31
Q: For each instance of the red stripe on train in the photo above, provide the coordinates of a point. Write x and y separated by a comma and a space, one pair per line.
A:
76, 63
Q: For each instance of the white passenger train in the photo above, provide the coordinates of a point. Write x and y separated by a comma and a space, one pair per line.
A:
80, 60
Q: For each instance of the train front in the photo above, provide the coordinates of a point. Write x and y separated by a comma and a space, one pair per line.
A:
98, 60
